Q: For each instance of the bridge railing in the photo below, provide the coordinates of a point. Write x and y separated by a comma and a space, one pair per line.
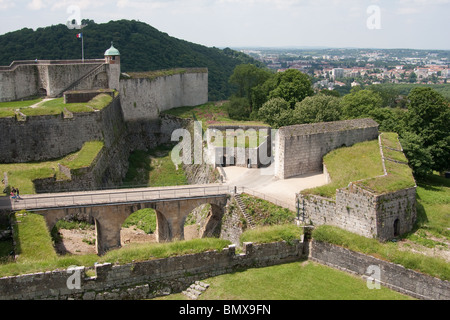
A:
116, 196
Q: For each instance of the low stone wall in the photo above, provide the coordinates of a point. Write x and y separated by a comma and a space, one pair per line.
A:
393, 276
84, 95
147, 279
362, 212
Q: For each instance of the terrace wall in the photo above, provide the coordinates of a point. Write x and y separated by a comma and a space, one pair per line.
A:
143, 280
42, 138
392, 275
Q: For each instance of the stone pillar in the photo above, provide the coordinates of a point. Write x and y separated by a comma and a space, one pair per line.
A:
108, 223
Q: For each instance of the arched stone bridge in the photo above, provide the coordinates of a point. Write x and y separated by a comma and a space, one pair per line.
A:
110, 208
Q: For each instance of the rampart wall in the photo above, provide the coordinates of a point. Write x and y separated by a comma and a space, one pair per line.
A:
41, 138
159, 277
300, 149
23, 79
392, 275
144, 98
143, 280
363, 211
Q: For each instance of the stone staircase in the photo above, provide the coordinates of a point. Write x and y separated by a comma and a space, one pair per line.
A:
195, 290
91, 74
251, 223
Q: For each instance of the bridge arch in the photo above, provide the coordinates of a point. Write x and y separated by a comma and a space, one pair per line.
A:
171, 216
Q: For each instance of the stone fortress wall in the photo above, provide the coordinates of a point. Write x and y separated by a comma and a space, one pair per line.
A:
23, 79
363, 211
131, 122
300, 149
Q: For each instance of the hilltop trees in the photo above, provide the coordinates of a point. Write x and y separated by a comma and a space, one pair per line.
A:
319, 108
426, 137
143, 48
262, 88
287, 98
276, 112
359, 103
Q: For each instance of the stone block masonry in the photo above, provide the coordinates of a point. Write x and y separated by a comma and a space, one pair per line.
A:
393, 276
145, 99
148, 279
300, 149
158, 277
23, 79
364, 212
42, 138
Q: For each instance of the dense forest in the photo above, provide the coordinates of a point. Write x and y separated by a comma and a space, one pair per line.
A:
142, 48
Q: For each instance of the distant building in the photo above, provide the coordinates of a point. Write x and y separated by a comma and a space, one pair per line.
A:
338, 73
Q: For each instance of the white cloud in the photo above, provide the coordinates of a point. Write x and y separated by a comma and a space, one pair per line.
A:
6, 4
407, 7
37, 4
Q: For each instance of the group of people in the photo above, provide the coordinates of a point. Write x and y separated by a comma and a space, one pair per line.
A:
15, 194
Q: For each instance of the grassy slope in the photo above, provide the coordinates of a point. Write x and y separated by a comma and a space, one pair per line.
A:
209, 114
53, 107
154, 169
293, 281
363, 161
21, 175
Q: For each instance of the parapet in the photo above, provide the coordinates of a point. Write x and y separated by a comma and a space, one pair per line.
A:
326, 127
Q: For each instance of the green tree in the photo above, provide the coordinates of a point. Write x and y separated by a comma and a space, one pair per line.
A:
419, 157
291, 85
359, 103
428, 118
238, 108
276, 112
319, 108
246, 77
412, 77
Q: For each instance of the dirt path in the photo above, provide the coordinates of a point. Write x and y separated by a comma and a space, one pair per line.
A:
80, 242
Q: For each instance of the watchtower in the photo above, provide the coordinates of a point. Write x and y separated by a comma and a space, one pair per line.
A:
112, 59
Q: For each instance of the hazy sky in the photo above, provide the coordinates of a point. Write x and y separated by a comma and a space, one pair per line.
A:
418, 24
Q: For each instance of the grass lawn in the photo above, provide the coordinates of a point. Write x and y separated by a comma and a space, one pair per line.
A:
292, 281
265, 213
154, 169
144, 220
37, 254
209, 114
53, 107
21, 175
239, 139
7, 109
361, 161
433, 206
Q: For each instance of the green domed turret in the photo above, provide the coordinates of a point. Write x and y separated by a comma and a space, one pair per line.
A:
112, 51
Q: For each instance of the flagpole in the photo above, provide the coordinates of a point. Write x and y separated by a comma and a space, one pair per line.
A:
82, 47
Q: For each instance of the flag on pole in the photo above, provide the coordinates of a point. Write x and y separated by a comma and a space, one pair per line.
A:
80, 36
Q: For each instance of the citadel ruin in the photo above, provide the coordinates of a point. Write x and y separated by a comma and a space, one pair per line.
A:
133, 121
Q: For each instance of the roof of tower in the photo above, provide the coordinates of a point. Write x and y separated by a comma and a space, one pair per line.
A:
112, 51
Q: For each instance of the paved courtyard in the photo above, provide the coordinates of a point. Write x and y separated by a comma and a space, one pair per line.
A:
264, 181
